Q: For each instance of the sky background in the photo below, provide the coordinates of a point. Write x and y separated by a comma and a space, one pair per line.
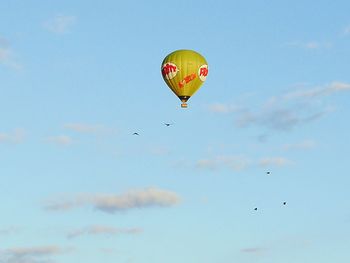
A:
78, 78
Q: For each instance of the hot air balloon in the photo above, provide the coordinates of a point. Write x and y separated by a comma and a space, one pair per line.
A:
184, 71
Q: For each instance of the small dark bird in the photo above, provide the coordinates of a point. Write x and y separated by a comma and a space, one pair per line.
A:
135, 133
267, 172
255, 208
284, 203
168, 124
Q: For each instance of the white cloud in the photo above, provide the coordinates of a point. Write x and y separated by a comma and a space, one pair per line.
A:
104, 230
60, 140
7, 56
16, 136
150, 197
60, 24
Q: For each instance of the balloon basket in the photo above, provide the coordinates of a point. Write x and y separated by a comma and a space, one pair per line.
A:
184, 105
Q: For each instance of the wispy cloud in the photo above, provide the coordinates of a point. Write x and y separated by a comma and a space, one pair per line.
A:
287, 111
159, 150
59, 140
279, 118
108, 251
34, 251
239, 162
30, 254
151, 149
16, 136
7, 56
60, 24
233, 162
223, 108
104, 230
303, 145
346, 30
111, 203
326, 90
274, 161
254, 251
311, 45
87, 128
292, 244
8, 231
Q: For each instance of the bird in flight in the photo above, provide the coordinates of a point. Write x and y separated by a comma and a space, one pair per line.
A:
267, 172
135, 133
255, 208
284, 203
168, 124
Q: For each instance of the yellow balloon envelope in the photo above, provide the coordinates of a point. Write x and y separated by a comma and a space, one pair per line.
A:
184, 71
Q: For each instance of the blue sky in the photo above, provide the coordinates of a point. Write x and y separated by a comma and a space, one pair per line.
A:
79, 78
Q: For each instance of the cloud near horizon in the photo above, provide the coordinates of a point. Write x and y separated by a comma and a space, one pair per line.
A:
112, 203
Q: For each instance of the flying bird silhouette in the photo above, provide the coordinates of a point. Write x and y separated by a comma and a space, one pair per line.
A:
168, 124
284, 203
267, 172
255, 208
135, 133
